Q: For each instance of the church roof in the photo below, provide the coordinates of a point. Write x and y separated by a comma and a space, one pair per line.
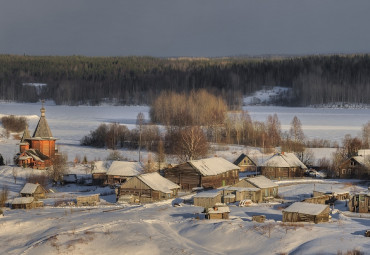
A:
26, 135
42, 129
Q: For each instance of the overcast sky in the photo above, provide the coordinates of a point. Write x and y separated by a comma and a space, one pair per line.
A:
164, 28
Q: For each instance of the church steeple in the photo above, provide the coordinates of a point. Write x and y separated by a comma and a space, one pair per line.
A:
42, 129
26, 134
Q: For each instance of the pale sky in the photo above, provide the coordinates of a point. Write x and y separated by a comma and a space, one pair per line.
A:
166, 28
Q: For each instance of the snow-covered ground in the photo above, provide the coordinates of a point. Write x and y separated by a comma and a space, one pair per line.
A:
160, 228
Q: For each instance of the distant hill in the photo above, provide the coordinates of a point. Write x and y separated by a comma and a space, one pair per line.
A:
75, 80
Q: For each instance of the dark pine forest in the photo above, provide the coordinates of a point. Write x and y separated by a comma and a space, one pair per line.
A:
78, 80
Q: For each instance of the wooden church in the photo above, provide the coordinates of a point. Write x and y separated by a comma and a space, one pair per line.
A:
37, 151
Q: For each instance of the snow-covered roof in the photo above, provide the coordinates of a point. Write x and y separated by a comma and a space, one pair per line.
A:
306, 208
242, 189
29, 188
221, 209
213, 166
209, 194
157, 182
99, 168
124, 168
261, 182
359, 159
23, 200
364, 152
284, 160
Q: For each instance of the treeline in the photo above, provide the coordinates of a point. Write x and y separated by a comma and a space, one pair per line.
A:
140, 80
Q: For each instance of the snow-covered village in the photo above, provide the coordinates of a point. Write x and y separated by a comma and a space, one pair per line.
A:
185, 127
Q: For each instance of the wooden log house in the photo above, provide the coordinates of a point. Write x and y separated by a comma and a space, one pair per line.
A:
268, 189
120, 171
245, 163
147, 188
282, 165
33, 190
207, 173
208, 199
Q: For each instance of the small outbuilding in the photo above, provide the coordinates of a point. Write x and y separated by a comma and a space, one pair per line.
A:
33, 190
26, 203
306, 212
268, 188
217, 212
147, 188
120, 171
359, 203
99, 173
207, 199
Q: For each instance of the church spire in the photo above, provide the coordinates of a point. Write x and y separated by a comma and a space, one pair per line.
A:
42, 129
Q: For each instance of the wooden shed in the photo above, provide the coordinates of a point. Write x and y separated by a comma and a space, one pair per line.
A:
91, 200
282, 165
207, 173
268, 188
26, 203
306, 212
245, 163
217, 212
242, 193
33, 190
359, 203
207, 199
147, 188
120, 171
99, 173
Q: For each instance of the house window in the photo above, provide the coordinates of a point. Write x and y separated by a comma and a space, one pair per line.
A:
352, 163
349, 171
343, 171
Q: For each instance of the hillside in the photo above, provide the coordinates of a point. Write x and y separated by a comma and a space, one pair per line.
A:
76, 80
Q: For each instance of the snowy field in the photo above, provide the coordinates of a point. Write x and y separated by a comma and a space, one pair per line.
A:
160, 228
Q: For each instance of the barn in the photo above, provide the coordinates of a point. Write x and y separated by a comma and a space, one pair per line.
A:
207, 173
33, 190
306, 212
268, 189
99, 173
282, 165
147, 188
120, 171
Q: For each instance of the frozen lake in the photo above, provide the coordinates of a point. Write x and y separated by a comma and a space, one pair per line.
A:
71, 123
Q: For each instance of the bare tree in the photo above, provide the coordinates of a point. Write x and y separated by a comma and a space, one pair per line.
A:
273, 129
366, 135
4, 195
59, 168
160, 156
191, 144
139, 125
296, 131
15, 174
306, 156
